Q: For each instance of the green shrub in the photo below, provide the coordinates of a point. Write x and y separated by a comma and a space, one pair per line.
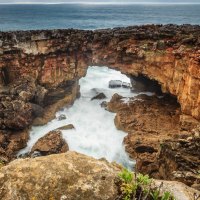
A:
139, 187
126, 176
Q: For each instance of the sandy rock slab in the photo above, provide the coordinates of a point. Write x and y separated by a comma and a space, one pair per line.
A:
64, 176
70, 176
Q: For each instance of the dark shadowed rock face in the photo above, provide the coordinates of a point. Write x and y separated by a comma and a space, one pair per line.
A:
11, 143
51, 143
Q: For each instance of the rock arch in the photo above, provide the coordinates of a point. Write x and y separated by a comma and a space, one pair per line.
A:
168, 54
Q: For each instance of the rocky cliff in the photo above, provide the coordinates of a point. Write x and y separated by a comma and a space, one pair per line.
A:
169, 54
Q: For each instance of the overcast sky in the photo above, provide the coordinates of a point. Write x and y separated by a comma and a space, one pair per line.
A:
100, 1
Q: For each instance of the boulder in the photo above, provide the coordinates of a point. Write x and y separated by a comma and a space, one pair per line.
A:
126, 85
64, 176
99, 96
51, 143
115, 84
62, 117
104, 104
66, 127
70, 176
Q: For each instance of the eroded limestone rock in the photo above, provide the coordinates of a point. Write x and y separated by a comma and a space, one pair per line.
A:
51, 143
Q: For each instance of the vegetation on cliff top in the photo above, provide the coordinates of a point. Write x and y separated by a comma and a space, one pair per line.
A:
140, 187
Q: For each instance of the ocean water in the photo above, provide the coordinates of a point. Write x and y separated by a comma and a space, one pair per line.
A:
95, 133
88, 16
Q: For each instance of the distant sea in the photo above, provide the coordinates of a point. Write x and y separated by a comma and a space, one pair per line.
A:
84, 16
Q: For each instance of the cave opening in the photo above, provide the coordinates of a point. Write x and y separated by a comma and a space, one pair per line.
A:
142, 83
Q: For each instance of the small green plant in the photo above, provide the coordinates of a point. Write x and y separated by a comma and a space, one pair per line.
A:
127, 187
128, 190
166, 196
143, 180
155, 194
126, 176
140, 187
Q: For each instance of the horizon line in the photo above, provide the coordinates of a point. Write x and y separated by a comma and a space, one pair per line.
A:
101, 3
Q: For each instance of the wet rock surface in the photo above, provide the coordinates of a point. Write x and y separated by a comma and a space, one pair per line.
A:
67, 127
99, 97
62, 117
51, 143
115, 84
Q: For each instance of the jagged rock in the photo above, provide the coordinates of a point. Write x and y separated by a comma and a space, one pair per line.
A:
115, 103
51, 143
11, 143
16, 114
70, 176
62, 117
148, 120
104, 104
126, 85
180, 160
115, 83
66, 127
35, 154
99, 96
37, 110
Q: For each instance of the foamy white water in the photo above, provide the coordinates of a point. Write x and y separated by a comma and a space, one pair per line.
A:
95, 133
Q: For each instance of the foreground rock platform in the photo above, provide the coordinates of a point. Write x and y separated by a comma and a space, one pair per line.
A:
69, 176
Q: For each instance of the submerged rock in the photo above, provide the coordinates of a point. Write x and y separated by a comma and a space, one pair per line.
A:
126, 85
62, 117
115, 83
104, 104
66, 127
70, 176
99, 96
51, 143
